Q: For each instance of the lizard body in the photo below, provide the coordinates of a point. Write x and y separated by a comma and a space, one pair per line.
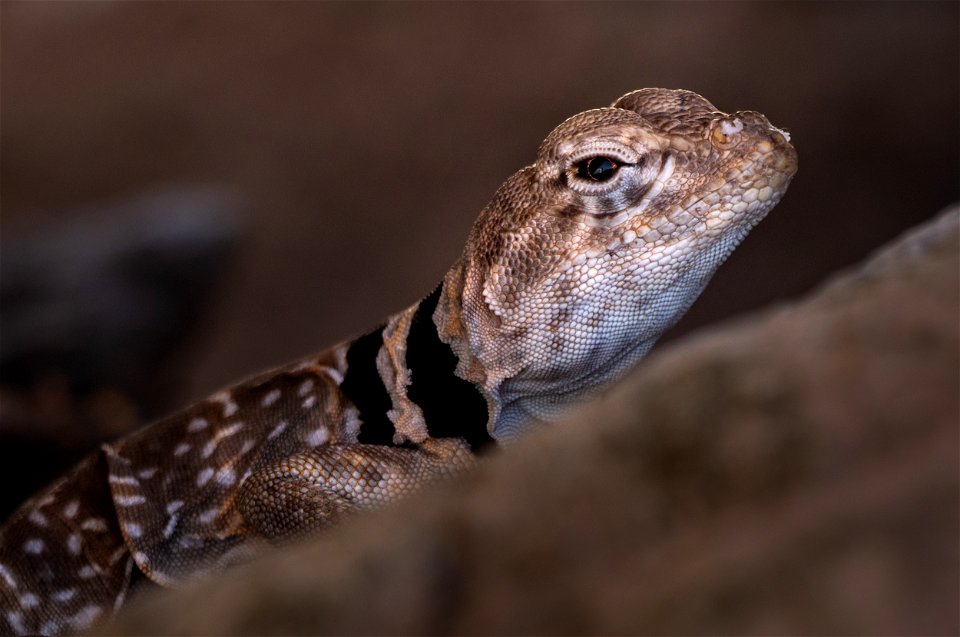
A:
570, 274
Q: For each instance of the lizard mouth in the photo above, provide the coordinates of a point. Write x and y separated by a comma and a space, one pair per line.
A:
727, 205
773, 169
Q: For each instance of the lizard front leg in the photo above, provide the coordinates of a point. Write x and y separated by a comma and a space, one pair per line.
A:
315, 489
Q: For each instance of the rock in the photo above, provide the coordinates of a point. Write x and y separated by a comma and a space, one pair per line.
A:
795, 472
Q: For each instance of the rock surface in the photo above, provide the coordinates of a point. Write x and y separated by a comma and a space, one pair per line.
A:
793, 473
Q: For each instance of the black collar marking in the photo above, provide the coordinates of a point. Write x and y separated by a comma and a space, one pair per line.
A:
364, 387
452, 406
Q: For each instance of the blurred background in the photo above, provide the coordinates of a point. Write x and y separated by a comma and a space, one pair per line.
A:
193, 192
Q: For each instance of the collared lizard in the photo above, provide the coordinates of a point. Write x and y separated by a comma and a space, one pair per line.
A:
569, 275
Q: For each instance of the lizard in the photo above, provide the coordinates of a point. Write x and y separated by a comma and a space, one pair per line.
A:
569, 275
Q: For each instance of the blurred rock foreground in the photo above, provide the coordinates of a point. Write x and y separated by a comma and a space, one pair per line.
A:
795, 472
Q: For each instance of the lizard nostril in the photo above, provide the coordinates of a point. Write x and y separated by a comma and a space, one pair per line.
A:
780, 137
726, 133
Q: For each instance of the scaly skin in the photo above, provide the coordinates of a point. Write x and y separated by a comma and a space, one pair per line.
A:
570, 274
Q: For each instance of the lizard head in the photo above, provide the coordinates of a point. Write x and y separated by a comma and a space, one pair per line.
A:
583, 259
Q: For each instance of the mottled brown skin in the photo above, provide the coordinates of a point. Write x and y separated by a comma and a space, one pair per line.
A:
576, 266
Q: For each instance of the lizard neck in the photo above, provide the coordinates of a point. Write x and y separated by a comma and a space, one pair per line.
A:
500, 358
403, 380
438, 369
494, 359
461, 322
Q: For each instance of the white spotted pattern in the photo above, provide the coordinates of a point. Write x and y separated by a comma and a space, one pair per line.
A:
74, 543
7, 577
86, 572
133, 529
317, 437
98, 525
170, 527
229, 431
146, 474
128, 480
197, 424
15, 619
211, 446
117, 554
309, 402
181, 449
70, 510
29, 600
270, 398
204, 476
306, 387
64, 595
50, 627
37, 518
276, 431
226, 477
174, 506
334, 374
229, 407
34, 546
85, 617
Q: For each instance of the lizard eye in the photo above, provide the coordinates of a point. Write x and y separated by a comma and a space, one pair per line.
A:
600, 167
597, 169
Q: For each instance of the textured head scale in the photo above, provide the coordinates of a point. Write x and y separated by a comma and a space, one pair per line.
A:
584, 258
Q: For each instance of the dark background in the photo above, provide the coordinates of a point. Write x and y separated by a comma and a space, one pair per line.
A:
364, 139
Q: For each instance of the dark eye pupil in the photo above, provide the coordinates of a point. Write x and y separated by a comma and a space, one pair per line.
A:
598, 168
